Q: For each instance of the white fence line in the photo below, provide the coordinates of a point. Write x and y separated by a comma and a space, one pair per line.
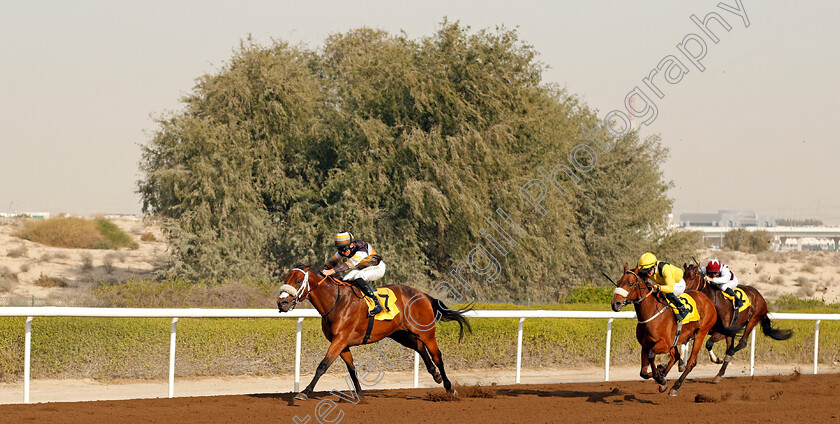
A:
300, 314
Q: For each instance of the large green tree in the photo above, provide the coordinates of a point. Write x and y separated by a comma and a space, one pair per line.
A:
410, 144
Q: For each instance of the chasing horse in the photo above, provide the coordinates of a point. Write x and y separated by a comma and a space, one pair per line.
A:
751, 311
658, 330
345, 321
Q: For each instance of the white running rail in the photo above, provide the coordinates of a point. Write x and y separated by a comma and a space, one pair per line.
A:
175, 314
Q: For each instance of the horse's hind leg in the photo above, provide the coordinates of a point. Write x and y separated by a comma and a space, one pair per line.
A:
692, 362
714, 338
682, 356
729, 342
412, 342
432, 345
673, 357
348, 359
754, 320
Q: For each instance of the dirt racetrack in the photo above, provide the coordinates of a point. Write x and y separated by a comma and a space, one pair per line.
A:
770, 399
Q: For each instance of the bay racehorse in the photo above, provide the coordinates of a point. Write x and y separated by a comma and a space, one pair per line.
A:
747, 319
656, 330
345, 322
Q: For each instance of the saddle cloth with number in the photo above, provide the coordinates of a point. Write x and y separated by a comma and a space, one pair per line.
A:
742, 295
389, 302
689, 303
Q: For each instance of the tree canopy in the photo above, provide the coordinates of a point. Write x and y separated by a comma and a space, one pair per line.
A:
410, 144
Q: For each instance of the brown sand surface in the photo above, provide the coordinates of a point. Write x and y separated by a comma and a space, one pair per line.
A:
768, 399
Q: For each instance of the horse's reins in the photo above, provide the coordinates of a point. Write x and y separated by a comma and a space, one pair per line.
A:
300, 298
639, 300
305, 285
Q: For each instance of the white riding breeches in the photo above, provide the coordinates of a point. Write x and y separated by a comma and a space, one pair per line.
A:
679, 287
731, 284
371, 273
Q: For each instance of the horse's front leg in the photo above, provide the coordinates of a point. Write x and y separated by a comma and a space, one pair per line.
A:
657, 371
673, 357
336, 347
646, 364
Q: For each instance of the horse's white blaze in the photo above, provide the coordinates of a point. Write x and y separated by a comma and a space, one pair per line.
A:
621, 292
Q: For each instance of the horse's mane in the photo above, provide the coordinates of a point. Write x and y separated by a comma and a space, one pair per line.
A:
308, 267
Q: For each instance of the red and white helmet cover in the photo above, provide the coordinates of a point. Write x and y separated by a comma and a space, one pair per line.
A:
713, 266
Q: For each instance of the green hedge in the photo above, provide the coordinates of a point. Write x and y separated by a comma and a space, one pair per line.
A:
114, 348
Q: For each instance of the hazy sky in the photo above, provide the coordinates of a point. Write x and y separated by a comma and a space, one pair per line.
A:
81, 79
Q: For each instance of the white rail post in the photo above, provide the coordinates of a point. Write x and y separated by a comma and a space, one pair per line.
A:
297, 354
752, 353
607, 351
816, 344
519, 350
416, 369
172, 330
27, 356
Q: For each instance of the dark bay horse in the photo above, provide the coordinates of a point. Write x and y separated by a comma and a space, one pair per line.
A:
748, 319
657, 327
344, 321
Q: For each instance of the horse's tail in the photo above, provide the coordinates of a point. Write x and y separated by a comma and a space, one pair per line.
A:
774, 333
447, 314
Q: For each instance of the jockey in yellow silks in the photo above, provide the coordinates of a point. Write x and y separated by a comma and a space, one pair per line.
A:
364, 264
668, 279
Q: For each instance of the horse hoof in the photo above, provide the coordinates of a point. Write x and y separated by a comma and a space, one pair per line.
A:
663, 387
454, 393
717, 379
438, 378
673, 392
301, 396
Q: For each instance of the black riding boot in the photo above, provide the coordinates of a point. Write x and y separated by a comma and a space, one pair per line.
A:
368, 291
738, 301
683, 310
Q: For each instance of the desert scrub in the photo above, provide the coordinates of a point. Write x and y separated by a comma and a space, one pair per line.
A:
148, 237
77, 233
87, 261
8, 279
108, 263
17, 252
137, 293
116, 238
48, 281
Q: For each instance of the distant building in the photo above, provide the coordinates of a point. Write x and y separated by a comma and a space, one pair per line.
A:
727, 218
36, 215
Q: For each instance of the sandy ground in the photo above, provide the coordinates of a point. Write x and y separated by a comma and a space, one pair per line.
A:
28, 261
48, 390
763, 399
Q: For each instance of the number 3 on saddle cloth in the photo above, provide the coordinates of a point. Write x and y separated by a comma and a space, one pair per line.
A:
741, 295
388, 300
689, 303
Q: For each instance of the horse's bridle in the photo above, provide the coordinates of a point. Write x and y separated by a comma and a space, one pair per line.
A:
634, 288
303, 294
